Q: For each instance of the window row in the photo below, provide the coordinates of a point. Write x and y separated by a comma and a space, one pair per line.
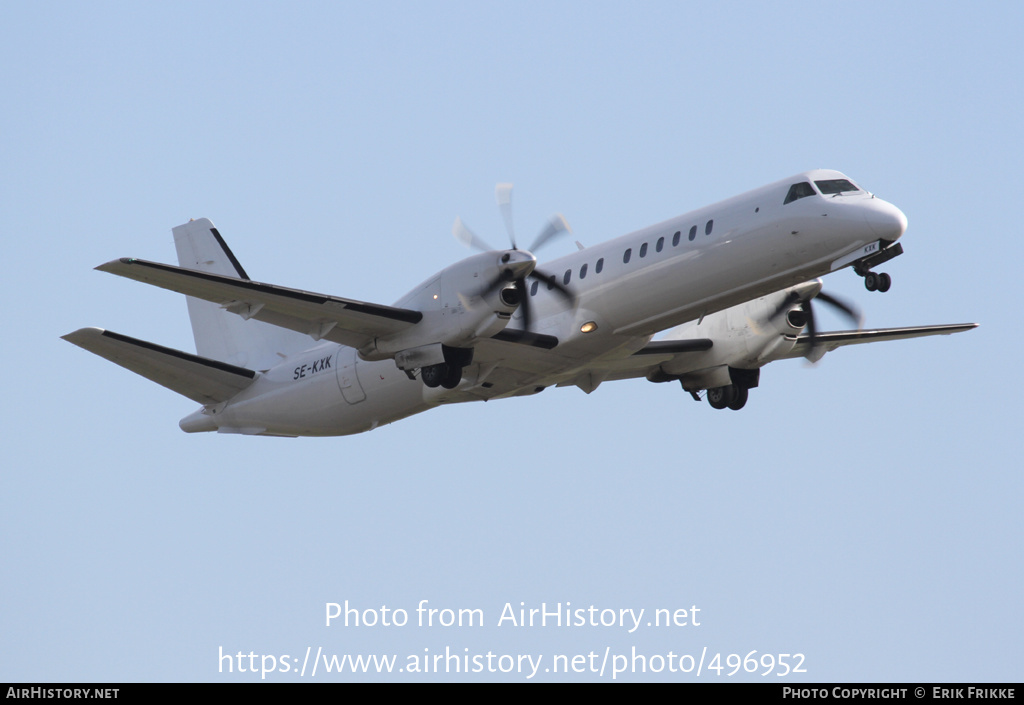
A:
660, 244
626, 256
567, 277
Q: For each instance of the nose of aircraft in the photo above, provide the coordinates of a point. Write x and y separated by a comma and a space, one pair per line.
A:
886, 220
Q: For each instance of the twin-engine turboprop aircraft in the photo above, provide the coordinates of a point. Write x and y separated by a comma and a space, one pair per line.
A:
731, 283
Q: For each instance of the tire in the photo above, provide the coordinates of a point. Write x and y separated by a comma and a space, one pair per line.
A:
739, 399
721, 397
452, 376
433, 375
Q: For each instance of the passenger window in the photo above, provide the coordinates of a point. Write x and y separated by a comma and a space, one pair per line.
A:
675, 238
660, 245
707, 228
599, 266
693, 233
533, 287
797, 191
583, 272
643, 250
567, 276
626, 254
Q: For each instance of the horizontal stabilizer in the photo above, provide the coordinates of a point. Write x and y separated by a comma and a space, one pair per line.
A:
345, 321
830, 341
198, 378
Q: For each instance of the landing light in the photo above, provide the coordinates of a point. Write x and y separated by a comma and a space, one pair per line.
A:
588, 327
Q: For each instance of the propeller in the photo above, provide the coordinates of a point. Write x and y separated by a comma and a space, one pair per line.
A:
555, 226
804, 300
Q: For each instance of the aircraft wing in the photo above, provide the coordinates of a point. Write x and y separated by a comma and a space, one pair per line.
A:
198, 378
828, 342
346, 321
526, 371
533, 362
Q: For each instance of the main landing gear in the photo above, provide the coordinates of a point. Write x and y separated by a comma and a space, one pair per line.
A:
731, 396
447, 374
441, 375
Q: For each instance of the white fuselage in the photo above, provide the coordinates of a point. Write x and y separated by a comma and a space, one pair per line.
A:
628, 288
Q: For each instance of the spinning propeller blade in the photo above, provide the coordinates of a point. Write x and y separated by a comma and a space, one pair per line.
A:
810, 325
554, 227
503, 194
467, 237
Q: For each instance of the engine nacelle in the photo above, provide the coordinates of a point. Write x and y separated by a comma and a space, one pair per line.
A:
472, 300
744, 338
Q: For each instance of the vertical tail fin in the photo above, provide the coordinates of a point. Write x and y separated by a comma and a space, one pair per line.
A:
219, 334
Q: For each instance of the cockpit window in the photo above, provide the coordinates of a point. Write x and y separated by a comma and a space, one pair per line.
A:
833, 186
801, 190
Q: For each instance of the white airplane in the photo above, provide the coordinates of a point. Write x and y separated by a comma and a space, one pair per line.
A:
732, 284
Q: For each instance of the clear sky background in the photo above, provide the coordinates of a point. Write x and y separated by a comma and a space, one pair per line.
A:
865, 512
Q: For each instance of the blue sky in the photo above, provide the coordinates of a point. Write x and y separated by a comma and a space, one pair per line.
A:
864, 512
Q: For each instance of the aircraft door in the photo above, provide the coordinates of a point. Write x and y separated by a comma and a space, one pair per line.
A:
348, 380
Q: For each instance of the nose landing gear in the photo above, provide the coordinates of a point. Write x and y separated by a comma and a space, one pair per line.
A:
877, 281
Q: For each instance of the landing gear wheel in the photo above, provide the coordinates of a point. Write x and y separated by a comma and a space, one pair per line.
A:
452, 377
877, 281
740, 400
721, 397
433, 375
441, 375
